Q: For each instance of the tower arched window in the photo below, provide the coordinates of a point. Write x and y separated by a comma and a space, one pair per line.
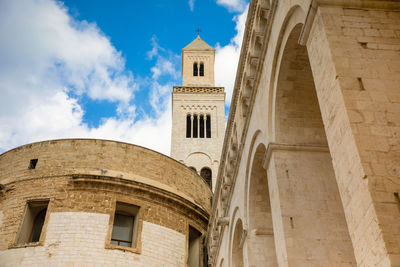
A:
208, 126
195, 69
201, 126
188, 126
206, 173
195, 126
201, 69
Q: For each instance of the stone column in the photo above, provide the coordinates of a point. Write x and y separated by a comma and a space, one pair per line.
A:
355, 59
308, 218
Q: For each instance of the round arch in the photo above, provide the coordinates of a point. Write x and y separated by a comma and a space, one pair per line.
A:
235, 218
206, 174
294, 16
295, 119
255, 140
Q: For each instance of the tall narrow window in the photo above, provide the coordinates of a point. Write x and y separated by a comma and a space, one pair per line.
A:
195, 126
195, 69
188, 127
33, 222
206, 173
208, 126
193, 259
125, 226
201, 69
201, 126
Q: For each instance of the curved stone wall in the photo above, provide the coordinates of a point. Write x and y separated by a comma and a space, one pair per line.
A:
104, 158
82, 180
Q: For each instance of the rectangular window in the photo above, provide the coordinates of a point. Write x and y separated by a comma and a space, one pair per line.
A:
32, 224
194, 248
125, 226
32, 164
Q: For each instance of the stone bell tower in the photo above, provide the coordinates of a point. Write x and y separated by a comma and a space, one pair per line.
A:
198, 112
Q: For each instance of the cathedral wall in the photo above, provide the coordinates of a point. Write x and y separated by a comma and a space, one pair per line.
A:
357, 81
79, 238
103, 158
82, 195
353, 55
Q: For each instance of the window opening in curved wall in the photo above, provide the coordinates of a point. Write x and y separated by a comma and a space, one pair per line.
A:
33, 222
188, 127
206, 173
208, 126
193, 259
201, 69
125, 226
195, 126
195, 69
201, 126
32, 164
37, 226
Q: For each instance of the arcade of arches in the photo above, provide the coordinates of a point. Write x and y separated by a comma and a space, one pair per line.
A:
309, 173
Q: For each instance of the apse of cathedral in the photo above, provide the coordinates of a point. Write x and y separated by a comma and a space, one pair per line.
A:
305, 173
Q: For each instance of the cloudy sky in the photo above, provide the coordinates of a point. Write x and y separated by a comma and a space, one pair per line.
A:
105, 69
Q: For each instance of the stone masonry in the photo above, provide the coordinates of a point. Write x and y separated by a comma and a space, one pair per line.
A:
309, 172
82, 180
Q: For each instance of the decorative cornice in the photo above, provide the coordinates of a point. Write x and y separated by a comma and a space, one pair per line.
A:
195, 89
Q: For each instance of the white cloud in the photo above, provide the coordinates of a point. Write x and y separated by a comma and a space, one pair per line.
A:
164, 66
233, 5
227, 57
49, 61
191, 5
155, 48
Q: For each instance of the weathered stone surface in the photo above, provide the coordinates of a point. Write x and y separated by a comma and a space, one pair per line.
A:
326, 78
83, 180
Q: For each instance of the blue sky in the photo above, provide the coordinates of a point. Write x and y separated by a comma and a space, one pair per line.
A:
105, 69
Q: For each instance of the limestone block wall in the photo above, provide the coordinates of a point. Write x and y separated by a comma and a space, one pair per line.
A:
322, 73
360, 86
79, 237
104, 158
82, 185
198, 152
205, 57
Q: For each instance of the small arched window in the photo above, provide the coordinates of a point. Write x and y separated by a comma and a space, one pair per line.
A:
201, 69
188, 127
206, 173
208, 126
201, 126
195, 69
195, 126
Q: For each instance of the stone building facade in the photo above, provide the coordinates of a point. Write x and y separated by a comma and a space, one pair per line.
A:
309, 169
70, 202
309, 172
198, 113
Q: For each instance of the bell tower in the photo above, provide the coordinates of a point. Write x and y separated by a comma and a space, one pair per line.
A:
198, 113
